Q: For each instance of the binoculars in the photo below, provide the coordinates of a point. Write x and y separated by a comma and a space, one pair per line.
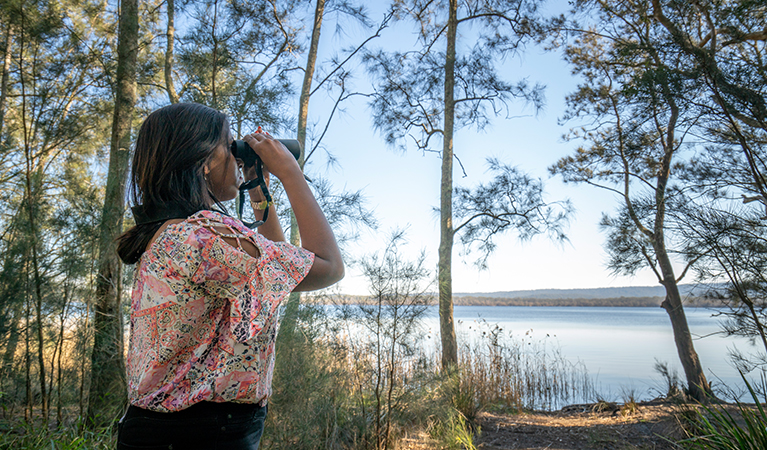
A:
241, 150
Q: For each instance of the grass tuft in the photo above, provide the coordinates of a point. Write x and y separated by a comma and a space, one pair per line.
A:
714, 427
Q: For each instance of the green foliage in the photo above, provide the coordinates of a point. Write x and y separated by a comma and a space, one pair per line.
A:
236, 56
511, 199
452, 431
714, 427
50, 193
410, 85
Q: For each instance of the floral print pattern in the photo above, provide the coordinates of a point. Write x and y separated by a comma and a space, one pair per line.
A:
204, 314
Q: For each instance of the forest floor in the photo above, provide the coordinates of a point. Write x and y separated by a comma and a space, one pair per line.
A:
648, 425
652, 425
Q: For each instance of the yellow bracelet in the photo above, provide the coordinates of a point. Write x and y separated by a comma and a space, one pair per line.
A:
261, 206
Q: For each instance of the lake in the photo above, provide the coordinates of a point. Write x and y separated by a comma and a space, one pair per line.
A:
618, 346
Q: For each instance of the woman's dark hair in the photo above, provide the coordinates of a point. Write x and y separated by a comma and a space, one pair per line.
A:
172, 146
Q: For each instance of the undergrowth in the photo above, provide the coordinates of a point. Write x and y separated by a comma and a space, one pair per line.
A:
325, 394
712, 426
26, 436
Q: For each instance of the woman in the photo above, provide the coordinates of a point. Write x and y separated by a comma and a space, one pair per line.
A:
206, 288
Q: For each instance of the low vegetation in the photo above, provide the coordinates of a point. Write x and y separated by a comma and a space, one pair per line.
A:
717, 426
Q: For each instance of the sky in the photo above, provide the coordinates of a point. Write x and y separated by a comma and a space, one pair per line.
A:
403, 188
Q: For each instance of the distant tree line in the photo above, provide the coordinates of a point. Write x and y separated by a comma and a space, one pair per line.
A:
478, 300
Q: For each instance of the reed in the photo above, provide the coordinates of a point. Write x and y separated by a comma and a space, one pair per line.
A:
518, 372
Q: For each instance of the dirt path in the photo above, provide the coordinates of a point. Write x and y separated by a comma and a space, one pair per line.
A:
581, 427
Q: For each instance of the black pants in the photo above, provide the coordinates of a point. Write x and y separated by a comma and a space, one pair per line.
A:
202, 426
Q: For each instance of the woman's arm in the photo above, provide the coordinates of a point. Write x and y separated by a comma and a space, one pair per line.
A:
316, 235
271, 229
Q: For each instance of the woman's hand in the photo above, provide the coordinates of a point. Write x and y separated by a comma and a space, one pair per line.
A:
316, 235
276, 158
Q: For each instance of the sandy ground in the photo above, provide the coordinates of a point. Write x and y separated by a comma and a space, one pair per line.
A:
649, 425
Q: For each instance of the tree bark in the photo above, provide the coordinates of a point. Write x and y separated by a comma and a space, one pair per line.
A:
108, 390
31, 187
697, 385
445, 280
28, 410
291, 309
39, 323
214, 70
170, 35
6, 69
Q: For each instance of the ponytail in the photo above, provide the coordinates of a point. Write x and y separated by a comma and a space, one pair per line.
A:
132, 243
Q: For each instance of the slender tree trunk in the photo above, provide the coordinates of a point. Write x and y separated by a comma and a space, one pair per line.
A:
28, 358
214, 96
291, 309
31, 187
445, 277
697, 385
60, 353
38, 305
392, 376
6, 69
108, 391
84, 361
306, 88
170, 35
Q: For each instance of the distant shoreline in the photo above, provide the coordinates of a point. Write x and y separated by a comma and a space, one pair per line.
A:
693, 295
616, 302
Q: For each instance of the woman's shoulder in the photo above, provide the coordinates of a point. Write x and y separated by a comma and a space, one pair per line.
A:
208, 219
194, 232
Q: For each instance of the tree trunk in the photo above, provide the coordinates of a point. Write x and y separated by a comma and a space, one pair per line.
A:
62, 320
6, 69
31, 187
32, 231
28, 410
697, 385
445, 280
107, 391
291, 309
214, 70
170, 35
83, 362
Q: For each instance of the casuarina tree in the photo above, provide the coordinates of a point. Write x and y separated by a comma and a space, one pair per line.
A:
639, 109
449, 82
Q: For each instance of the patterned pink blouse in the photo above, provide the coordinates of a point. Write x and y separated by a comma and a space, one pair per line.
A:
204, 314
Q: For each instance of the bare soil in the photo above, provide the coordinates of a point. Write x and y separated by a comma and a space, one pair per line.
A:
648, 425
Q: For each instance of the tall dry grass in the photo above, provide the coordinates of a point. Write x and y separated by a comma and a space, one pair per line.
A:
519, 372
327, 380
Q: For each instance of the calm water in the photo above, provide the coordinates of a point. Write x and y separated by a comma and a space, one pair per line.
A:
619, 346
